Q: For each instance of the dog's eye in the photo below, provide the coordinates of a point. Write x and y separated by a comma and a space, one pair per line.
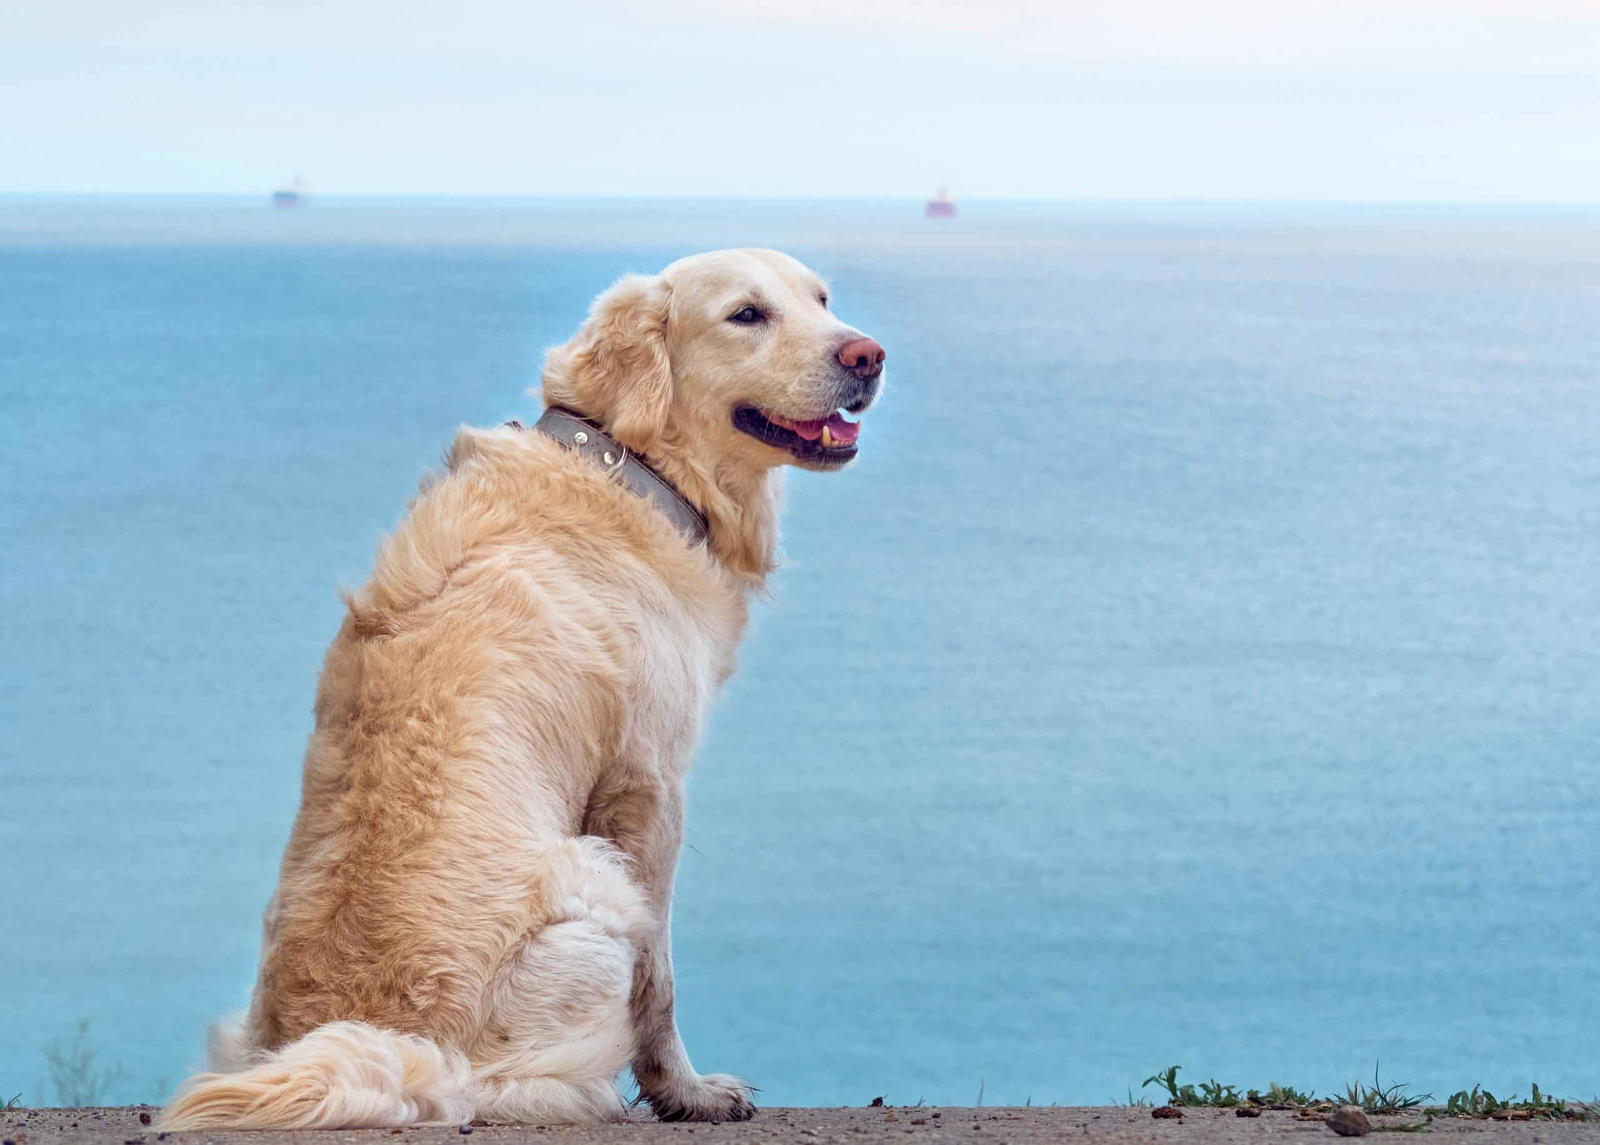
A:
747, 317
823, 298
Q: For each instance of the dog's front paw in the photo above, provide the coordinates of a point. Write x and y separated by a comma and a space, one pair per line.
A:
709, 1097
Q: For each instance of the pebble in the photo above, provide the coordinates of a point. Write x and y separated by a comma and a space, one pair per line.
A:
1167, 1112
1349, 1121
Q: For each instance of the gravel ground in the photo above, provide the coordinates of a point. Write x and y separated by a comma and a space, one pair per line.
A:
861, 1126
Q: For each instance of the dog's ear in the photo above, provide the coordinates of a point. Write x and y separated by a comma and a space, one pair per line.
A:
616, 369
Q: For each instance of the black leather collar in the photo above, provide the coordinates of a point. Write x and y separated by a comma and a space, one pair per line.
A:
584, 437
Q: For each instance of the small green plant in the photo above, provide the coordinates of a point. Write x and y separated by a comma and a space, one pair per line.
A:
78, 1078
1211, 1093
1380, 1098
1168, 1080
13, 1103
1281, 1097
1479, 1102
1476, 1102
1375, 1098
1543, 1105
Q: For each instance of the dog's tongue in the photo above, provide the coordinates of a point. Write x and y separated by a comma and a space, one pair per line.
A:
843, 432
810, 430
840, 431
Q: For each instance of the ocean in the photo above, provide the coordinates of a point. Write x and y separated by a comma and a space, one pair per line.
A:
1200, 666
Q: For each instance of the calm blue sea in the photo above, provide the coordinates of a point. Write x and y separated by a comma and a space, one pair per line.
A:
1201, 665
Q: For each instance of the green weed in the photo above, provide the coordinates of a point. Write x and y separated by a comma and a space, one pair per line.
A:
1375, 1098
1210, 1093
1380, 1098
75, 1070
1281, 1097
1479, 1102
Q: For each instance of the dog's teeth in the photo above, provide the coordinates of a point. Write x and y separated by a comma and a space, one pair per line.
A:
827, 437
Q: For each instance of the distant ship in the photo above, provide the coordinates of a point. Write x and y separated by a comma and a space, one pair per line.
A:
296, 194
941, 206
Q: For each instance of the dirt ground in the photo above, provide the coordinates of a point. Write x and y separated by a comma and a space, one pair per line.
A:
859, 1126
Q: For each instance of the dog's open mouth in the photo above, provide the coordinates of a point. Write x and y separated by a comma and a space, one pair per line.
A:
829, 440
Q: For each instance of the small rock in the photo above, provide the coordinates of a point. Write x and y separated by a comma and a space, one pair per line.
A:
1246, 1111
891, 1117
144, 1119
920, 1120
1349, 1121
464, 1129
1167, 1113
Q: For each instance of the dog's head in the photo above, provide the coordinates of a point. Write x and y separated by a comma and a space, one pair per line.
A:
732, 354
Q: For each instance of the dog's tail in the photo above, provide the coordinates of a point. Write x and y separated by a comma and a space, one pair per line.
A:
345, 1075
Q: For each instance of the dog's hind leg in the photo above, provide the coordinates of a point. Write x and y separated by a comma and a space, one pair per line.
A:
559, 1030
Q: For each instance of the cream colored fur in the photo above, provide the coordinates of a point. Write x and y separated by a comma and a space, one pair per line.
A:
472, 913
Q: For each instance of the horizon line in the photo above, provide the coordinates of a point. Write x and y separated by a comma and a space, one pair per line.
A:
513, 196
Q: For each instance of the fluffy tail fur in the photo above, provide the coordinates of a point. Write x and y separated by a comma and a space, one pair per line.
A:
347, 1075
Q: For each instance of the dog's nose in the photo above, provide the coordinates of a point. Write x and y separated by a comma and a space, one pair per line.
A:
864, 356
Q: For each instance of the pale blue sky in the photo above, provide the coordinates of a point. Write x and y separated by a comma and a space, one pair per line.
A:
1297, 99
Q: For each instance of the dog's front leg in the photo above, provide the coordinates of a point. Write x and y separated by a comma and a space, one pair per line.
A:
646, 822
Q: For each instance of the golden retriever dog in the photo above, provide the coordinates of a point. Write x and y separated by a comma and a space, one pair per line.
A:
471, 919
